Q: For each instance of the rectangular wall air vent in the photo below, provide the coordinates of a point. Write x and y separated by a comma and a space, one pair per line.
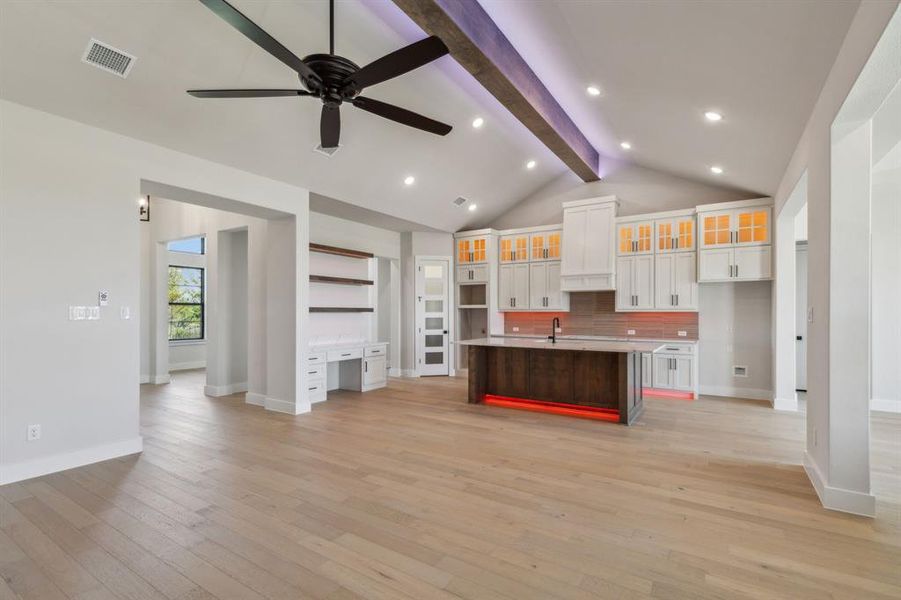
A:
739, 371
103, 56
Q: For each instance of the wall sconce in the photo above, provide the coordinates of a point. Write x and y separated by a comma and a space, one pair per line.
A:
144, 208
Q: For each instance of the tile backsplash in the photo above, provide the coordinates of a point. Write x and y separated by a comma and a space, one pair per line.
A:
593, 313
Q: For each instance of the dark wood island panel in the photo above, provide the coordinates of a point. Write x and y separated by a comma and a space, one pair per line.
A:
605, 380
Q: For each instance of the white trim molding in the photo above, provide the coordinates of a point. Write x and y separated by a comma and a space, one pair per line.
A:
144, 378
737, 392
224, 390
394, 372
833, 498
255, 398
284, 406
885, 405
787, 404
159, 379
187, 366
69, 460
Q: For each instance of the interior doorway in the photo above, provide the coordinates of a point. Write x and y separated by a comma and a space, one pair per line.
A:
801, 301
432, 316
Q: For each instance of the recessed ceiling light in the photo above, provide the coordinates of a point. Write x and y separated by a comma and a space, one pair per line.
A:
531, 164
713, 116
716, 170
625, 145
593, 90
478, 122
472, 207
409, 180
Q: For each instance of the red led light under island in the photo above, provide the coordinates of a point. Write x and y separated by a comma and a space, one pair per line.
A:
668, 394
570, 410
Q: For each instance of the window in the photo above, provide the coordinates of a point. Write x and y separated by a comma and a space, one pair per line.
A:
196, 245
186, 303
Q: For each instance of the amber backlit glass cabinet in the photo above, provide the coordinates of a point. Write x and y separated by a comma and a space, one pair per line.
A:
737, 227
736, 242
514, 248
472, 250
545, 245
634, 237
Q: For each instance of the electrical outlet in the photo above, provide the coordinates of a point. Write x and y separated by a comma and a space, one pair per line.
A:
33, 433
682, 333
630, 332
516, 330
558, 329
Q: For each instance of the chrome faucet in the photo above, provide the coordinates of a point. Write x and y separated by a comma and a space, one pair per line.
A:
554, 325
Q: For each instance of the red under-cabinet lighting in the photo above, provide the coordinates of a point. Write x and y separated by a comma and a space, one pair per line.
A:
668, 394
569, 410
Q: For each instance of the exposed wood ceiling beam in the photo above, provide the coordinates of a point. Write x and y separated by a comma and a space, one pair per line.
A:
477, 43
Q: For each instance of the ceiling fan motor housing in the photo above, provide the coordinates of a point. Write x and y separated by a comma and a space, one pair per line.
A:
333, 70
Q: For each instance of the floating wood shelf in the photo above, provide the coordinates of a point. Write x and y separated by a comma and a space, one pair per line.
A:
472, 306
340, 309
339, 251
340, 280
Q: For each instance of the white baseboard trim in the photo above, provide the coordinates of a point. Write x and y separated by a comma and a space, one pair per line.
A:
255, 398
187, 366
885, 405
833, 498
788, 404
394, 372
160, 379
737, 392
409, 373
285, 406
68, 460
224, 390
144, 378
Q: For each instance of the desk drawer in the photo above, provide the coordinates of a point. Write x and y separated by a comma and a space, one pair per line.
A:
316, 372
316, 358
376, 351
349, 354
317, 390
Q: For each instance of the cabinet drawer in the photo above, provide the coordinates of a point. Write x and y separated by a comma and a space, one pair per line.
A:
316, 358
316, 372
316, 391
349, 354
675, 349
375, 351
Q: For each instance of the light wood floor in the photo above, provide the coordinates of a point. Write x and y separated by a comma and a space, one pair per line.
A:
411, 493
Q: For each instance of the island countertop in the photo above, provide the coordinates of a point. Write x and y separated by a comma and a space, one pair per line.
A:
535, 343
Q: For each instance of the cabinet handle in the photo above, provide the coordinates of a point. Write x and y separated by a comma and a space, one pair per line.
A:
677, 299
736, 270
365, 366
730, 270
348, 354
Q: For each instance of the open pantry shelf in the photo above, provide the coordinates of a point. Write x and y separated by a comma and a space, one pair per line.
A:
340, 280
323, 249
341, 309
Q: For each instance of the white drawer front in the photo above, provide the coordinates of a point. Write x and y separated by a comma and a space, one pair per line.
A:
349, 354
317, 391
316, 372
316, 358
676, 349
375, 351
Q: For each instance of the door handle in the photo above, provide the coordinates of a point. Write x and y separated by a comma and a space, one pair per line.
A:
799, 337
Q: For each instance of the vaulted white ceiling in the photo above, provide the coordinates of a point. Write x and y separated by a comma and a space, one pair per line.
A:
660, 64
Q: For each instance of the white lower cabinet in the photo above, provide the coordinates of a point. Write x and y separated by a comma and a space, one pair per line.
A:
635, 282
472, 274
375, 373
676, 286
647, 369
674, 367
741, 263
513, 287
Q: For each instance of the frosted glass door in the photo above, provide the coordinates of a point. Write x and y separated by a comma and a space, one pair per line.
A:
432, 316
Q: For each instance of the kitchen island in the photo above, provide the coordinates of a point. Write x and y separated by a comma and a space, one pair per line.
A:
584, 378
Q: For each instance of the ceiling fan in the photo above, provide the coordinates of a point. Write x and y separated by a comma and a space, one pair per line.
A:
334, 79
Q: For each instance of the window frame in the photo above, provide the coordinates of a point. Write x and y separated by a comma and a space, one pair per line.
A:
201, 304
202, 252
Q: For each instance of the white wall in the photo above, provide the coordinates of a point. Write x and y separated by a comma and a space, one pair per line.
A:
734, 325
886, 290
640, 190
68, 228
813, 154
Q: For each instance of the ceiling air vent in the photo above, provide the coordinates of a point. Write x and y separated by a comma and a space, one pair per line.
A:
103, 56
326, 151
460, 201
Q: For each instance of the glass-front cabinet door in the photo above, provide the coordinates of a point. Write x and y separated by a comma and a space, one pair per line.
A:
716, 229
545, 245
635, 238
675, 235
472, 250
514, 248
752, 226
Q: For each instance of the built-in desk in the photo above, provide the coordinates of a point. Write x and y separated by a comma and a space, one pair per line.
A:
355, 367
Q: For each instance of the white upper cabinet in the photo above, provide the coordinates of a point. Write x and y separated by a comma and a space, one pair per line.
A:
676, 284
545, 245
634, 237
675, 234
544, 287
514, 248
513, 287
472, 250
588, 249
735, 241
635, 283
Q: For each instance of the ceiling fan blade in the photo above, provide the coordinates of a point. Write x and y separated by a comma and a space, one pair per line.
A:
247, 93
330, 126
255, 33
397, 63
401, 115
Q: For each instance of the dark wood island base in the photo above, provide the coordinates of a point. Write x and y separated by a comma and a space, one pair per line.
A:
566, 381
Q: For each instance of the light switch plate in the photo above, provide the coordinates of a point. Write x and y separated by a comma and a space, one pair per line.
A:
33, 433
810, 314
124, 313
93, 312
103, 297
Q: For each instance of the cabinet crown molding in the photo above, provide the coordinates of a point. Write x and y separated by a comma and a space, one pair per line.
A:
590, 201
737, 204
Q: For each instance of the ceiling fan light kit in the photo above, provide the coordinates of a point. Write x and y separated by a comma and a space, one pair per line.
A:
332, 78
